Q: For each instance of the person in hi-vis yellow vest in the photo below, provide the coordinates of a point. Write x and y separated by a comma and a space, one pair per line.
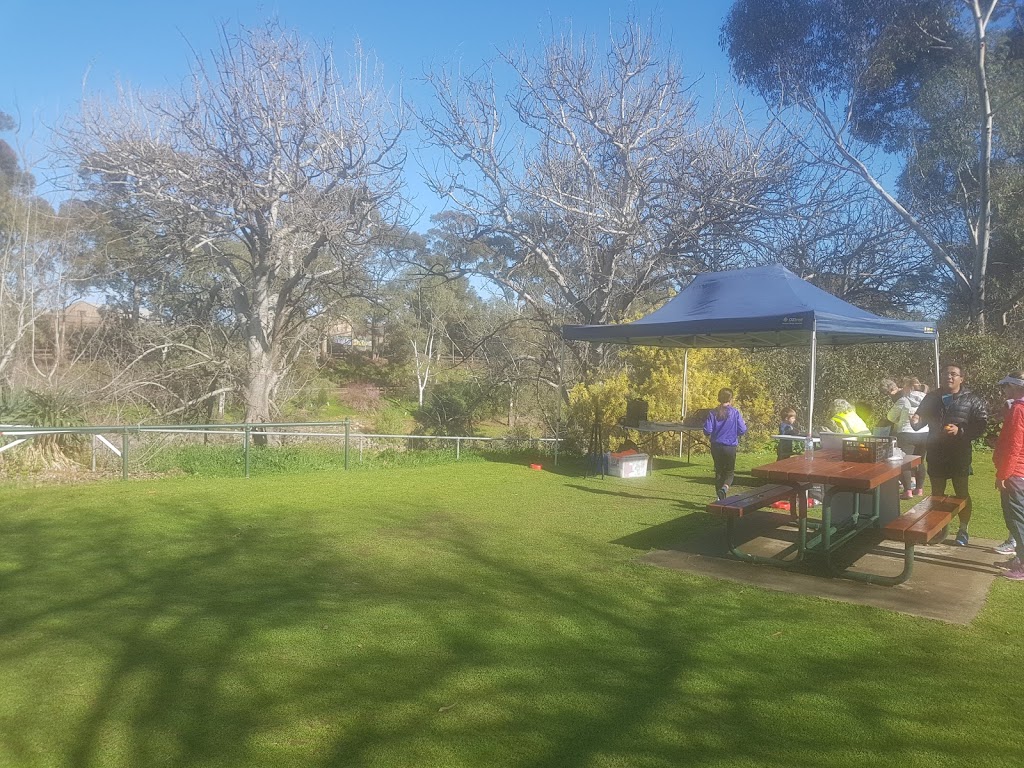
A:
846, 419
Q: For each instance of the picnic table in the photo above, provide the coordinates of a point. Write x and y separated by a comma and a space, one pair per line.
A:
839, 477
801, 439
877, 481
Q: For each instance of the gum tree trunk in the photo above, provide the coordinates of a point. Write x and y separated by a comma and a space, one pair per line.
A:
263, 371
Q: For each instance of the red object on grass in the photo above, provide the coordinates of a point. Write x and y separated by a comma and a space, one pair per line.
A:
536, 466
787, 506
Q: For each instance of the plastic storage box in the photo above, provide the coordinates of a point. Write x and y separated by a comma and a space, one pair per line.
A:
632, 465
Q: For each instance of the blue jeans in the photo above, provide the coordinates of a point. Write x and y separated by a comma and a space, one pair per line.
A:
1013, 510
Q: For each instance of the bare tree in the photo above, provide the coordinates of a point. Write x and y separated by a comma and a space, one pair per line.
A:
268, 172
842, 238
594, 182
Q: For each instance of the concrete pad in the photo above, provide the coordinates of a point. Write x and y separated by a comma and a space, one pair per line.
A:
949, 583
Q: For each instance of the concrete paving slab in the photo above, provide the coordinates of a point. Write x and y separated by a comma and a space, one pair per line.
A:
949, 583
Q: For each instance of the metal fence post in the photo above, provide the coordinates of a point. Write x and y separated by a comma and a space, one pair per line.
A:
94, 453
346, 442
457, 442
124, 454
245, 447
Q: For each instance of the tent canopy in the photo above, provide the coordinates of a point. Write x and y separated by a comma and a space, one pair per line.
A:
757, 307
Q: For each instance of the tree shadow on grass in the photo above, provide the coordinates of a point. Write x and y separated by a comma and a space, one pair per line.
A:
623, 494
272, 637
568, 465
168, 618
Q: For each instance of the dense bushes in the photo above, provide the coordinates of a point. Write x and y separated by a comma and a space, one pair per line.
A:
451, 408
765, 381
655, 375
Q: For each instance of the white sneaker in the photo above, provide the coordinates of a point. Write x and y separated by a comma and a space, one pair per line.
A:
1008, 547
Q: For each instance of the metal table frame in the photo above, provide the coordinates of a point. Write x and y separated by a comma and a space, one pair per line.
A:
839, 477
654, 427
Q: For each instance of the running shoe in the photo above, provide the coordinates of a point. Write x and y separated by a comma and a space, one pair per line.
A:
1014, 574
919, 492
1008, 565
907, 495
961, 538
1008, 547
723, 492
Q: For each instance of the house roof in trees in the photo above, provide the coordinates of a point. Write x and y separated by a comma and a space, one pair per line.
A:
757, 307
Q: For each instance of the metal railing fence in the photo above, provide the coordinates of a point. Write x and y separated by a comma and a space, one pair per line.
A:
22, 433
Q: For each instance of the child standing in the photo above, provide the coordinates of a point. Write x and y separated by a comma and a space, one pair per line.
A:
723, 426
911, 437
1009, 459
786, 427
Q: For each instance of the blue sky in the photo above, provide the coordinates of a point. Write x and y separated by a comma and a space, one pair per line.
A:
52, 48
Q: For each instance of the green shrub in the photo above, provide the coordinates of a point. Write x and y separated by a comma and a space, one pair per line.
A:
48, 409
390, 420
592, 407
451, 408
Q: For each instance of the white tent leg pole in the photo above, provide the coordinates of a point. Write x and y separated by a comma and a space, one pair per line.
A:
682, 409
814, 375
938, 375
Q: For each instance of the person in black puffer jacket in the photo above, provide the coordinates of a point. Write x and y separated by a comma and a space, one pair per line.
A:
954, 416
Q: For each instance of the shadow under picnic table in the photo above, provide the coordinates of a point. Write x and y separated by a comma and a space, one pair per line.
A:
949, 583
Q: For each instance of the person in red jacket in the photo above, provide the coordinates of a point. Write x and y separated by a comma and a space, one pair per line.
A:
1009, 459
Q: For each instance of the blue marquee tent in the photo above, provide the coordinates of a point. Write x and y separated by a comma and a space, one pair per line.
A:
758, 307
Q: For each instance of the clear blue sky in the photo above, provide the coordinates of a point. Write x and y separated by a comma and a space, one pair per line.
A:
51, 48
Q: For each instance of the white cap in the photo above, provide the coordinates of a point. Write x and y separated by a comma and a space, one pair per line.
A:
1012, 380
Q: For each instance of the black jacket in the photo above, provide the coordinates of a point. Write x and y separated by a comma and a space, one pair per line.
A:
950, 455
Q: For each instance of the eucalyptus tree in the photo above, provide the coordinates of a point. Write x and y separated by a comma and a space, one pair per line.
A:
32, 259
918, 79
270, 174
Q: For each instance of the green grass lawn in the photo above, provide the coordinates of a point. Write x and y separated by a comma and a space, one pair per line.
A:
469, 614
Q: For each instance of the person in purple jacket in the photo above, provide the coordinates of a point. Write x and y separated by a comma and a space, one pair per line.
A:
723, 426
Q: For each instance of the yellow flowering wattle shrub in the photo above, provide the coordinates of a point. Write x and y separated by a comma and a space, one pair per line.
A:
655, 375
603, 400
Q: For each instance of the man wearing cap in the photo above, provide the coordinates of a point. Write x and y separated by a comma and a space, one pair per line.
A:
1009, 461
954, 416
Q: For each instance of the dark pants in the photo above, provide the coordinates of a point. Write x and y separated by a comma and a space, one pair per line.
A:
960, 491
725, 464
1013, 510
916, 445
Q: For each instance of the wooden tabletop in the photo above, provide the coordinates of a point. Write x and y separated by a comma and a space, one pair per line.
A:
829, 468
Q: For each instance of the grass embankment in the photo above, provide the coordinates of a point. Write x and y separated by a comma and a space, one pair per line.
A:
470, 614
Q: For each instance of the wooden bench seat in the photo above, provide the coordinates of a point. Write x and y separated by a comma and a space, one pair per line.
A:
918, 525
750, 500
924, 521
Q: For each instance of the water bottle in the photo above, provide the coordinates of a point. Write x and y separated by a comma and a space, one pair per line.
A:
809, 446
